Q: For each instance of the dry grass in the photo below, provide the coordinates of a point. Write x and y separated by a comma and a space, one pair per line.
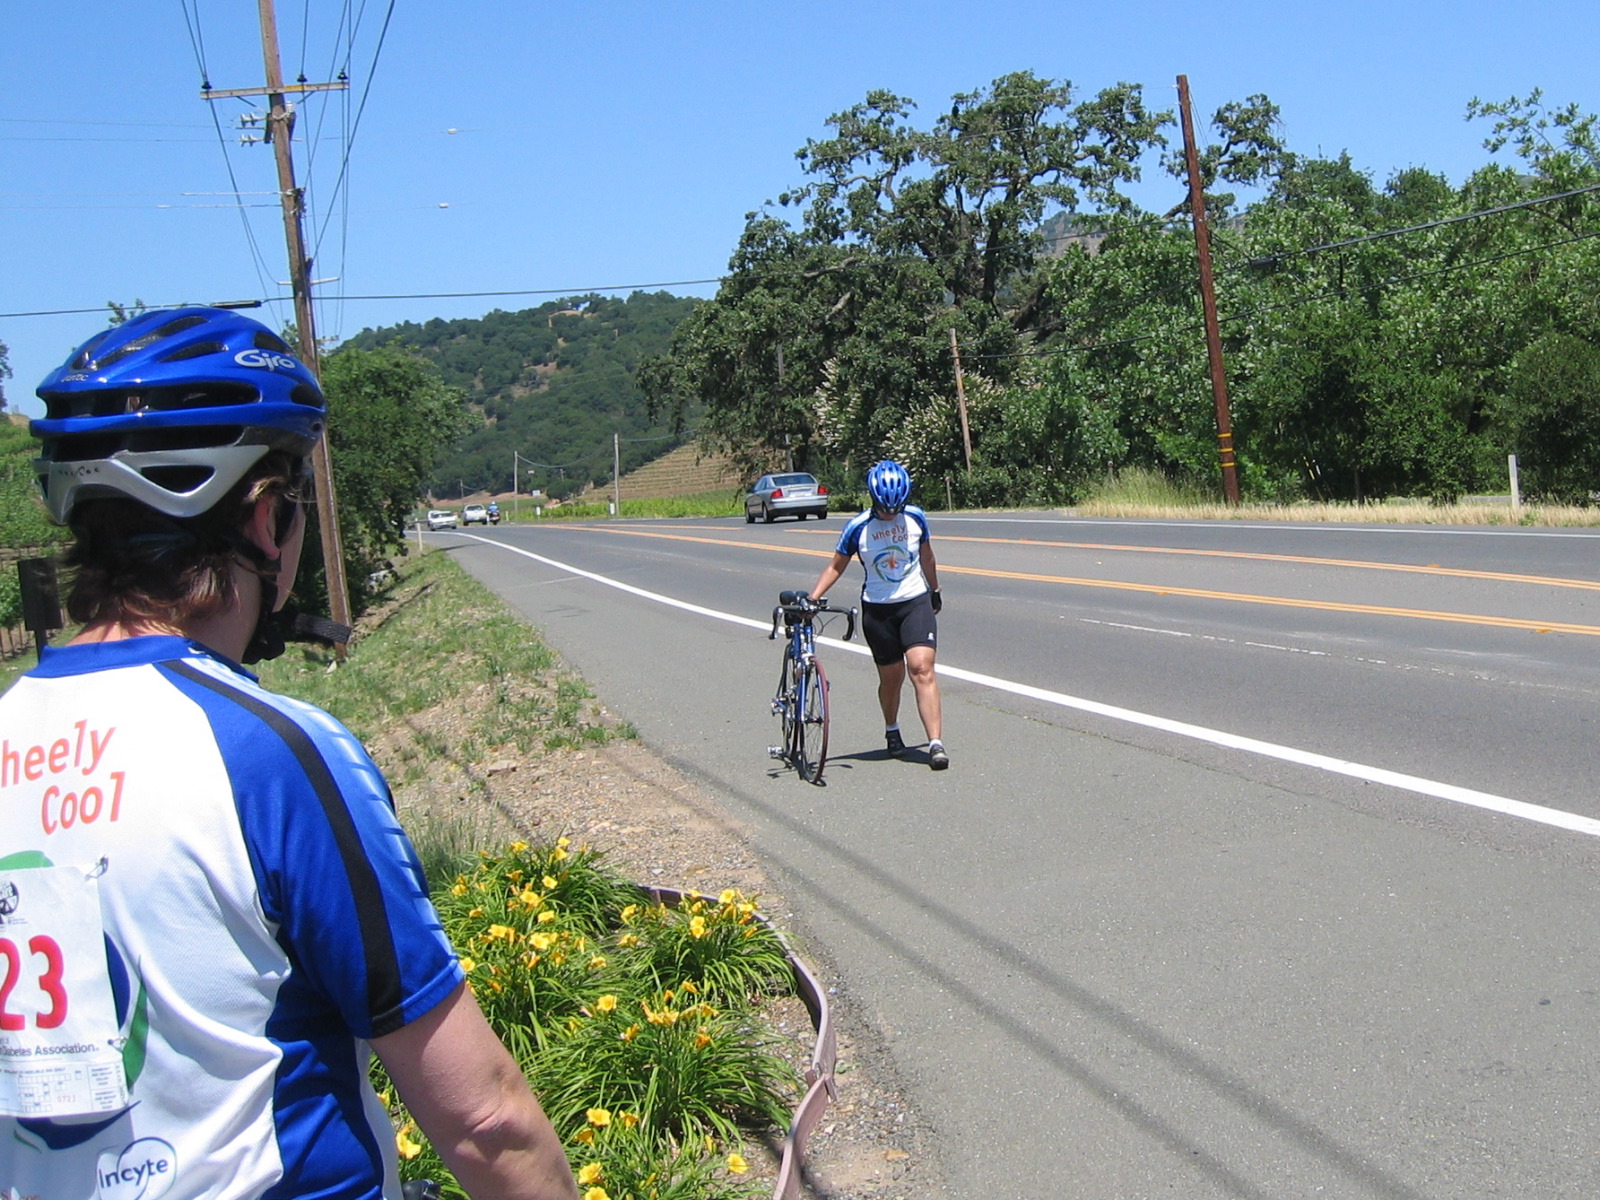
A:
1138, 492
1393, 512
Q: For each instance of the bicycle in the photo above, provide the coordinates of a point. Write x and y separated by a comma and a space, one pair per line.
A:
801, 702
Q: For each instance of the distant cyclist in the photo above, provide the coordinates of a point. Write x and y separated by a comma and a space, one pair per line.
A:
898, 601
212, 874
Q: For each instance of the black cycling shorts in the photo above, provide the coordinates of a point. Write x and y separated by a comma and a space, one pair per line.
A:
892, 629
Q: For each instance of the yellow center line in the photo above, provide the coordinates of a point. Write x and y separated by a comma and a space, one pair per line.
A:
1305, 560
1420, 614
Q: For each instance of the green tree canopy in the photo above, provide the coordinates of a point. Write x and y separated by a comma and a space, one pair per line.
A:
831, 334
390, 416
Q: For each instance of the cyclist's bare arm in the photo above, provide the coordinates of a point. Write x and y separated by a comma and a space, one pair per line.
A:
474, 1104
930, 568
830, 575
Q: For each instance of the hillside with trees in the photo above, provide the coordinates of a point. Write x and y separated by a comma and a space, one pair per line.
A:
552, 384
1381, 339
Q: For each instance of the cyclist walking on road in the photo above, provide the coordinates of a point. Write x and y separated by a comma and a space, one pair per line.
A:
898, 601
214, 873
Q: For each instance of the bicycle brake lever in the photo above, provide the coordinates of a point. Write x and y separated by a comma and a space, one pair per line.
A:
776, 613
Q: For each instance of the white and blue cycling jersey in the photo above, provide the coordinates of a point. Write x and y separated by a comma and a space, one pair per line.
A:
891, 552
263, 915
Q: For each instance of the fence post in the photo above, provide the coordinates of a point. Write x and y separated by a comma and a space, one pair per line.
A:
41, 604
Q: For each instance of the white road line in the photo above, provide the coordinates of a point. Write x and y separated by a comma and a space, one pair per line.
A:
1216, 737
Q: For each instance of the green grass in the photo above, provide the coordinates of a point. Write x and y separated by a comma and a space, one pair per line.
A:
474, 654
720, 503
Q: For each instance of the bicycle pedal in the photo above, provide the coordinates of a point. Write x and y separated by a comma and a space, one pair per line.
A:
776, 752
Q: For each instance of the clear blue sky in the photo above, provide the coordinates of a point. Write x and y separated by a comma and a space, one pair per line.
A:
605, 145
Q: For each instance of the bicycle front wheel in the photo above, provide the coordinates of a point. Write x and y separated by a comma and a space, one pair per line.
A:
786, 706
811, 750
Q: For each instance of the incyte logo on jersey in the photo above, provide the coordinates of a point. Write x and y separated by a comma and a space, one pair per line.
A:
265, 358
144, 1170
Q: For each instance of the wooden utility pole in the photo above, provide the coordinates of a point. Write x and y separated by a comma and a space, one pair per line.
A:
1208, 299
280, 131
961, 399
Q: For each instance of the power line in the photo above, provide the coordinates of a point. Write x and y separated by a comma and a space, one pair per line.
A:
361, 108
197, 43
1471, 216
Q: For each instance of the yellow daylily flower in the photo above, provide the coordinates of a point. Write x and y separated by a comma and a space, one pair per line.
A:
737, 1164
630, 1119
629, 912
467, 964
597, 1193
590, 1173
702, 1040
599, 1117
475, 912
542, 941
606, 1003
697, 927
503, 931
729, 896
585, 1136
628, 939
549, 882
402, 1142
530, 898
597, 962
519, 847
459, 888
628, 1034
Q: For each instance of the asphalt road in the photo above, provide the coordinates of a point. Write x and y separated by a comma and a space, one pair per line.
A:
1265, 866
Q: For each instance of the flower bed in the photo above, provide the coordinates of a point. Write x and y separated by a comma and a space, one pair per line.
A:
636, 1015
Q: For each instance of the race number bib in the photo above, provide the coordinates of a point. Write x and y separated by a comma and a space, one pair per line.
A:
60, 1055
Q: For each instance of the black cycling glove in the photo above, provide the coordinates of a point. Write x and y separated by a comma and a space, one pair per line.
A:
938, 603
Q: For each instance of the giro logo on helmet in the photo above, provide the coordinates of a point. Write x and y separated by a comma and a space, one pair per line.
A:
265, 358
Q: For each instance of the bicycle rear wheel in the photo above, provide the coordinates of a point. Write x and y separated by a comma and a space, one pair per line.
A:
811, 747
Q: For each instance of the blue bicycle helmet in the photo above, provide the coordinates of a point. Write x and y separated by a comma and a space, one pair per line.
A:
889, 485
172, 409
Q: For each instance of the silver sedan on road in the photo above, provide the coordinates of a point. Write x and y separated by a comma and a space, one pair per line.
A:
791, 494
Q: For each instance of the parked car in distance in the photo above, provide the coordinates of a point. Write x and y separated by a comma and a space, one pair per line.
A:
441, 518
474, 514
793, 493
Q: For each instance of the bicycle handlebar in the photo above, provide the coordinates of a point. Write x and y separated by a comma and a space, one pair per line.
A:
801, 607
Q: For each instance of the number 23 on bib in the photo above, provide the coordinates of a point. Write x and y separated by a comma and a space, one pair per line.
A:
60, 1055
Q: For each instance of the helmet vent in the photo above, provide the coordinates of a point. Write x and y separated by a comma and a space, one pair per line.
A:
200, 437
267, 340
181, 480
199, 395
194, 351
85, 356
155, 335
